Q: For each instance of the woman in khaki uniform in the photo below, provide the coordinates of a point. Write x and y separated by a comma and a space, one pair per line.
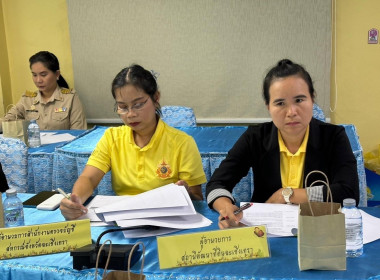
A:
53, 105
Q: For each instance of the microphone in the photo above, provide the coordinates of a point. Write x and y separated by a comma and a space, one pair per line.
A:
85, 257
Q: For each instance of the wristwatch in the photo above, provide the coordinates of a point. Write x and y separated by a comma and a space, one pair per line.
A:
287, 193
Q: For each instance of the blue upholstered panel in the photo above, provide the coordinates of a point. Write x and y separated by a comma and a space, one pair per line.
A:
358, 152
244, 189
318, 113
178, 116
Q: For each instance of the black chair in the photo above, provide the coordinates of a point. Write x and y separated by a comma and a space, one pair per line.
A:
3, 180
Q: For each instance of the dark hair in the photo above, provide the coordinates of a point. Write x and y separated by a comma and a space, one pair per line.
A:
50, 61
283, 69
138, 77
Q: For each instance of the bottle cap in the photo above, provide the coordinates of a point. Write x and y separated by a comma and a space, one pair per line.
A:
349, 202
11, 191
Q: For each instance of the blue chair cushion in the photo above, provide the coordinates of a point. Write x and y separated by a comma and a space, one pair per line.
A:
178, 116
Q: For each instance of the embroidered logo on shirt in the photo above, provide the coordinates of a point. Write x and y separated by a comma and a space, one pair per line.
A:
62, 109
163, 170
32, 109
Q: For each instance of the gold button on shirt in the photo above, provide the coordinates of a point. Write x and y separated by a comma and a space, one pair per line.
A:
292, 165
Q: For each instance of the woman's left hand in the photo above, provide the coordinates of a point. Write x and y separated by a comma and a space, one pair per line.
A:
276, 197
299, 196
195, 192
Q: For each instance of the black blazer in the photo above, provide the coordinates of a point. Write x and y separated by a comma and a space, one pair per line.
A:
328, 150
3, 180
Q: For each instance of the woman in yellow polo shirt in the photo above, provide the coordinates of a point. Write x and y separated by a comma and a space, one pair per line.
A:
281, 153
143, 154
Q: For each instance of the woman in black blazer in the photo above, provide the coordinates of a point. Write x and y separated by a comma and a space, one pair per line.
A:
282, 152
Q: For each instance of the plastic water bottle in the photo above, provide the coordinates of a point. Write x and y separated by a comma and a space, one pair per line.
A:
354, 228
13, 209
34, 139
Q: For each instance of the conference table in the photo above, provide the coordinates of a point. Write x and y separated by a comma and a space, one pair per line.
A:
282, 264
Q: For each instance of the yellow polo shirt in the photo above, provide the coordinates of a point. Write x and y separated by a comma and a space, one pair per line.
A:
171, 155
292, 165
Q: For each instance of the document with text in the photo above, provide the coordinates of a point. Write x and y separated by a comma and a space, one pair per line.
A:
280, 219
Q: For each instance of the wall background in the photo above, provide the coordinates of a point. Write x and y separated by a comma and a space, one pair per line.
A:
211, 55
357, 70
29, 26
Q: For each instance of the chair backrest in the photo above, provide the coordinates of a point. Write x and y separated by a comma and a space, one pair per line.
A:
358, 153
318, 113
14, 160
178, 116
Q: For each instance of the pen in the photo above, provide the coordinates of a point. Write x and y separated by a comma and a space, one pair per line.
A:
245, 206
63, 193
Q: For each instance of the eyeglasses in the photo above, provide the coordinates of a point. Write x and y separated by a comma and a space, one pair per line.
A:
137, 107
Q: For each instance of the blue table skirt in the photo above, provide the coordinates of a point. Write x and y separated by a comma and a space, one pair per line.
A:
282, 264
40, 163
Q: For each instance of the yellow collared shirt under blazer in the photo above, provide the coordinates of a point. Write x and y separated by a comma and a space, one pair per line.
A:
62, 111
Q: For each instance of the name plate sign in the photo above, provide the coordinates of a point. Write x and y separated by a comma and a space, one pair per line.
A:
44, 239
213, 247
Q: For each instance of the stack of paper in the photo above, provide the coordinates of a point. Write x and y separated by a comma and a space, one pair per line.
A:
169, 208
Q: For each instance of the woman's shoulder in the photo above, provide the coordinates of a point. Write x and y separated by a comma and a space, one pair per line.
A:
261, 128
30, 93
117, 131
174, 132
67, 90
325, 126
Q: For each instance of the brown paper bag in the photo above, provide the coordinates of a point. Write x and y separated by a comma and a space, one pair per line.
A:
16, 129
119, 274
321, 233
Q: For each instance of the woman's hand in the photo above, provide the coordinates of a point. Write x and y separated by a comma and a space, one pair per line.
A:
72, 208
195, 192
226, 210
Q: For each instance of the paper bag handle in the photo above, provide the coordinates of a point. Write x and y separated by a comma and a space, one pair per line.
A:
108, 259
130, 258
326, 183
6, 110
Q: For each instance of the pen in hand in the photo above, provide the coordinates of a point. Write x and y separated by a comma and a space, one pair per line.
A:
63, 193
245, 206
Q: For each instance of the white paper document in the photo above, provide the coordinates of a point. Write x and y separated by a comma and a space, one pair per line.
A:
279, 219
168, 207
138, 233
371, 226
169, 200
179, 222
52, 137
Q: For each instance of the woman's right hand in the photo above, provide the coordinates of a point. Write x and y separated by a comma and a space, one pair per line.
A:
72, 208
226, 210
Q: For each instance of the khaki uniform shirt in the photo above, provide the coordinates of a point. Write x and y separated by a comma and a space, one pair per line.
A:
62, 111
